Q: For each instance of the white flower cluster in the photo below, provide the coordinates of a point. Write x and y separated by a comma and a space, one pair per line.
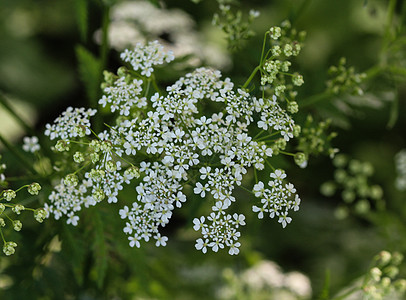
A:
278, 200
400, 161
144, 57
105, 180
123, 95
136, 21
181, 145
273, 116
72, 123
221, 231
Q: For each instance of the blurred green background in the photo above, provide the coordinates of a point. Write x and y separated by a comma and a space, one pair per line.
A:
39, 75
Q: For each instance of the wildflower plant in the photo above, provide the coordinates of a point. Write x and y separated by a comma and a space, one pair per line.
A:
9, 206
162, 141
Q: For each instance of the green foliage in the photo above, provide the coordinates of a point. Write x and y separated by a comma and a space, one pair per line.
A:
82, 18
89, 71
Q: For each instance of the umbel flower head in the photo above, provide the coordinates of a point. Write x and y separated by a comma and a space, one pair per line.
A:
167, 141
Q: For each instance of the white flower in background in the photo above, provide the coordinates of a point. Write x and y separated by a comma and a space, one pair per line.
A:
144, 57
31, 144
400, 162
135, 22
265, 278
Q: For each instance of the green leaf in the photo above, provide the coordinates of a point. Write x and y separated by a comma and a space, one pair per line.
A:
81, 17
394, 112
100, 250
324, 295
89, 72
74, 251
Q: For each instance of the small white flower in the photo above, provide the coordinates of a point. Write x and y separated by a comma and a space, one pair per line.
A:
160, 240
31, 144
198, 223
201, 245
134, 241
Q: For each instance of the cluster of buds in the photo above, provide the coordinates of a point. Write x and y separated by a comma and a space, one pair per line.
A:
382, 282
345, 80
275, 65
315, 138
6, 197
234, 25
351, 177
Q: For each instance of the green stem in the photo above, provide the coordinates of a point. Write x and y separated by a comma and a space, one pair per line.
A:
82, 167
259, 134
268, 136
260, 63
2, 236
154, 84
389, 18
245, 189
263, 48
269, 164
287, 153
251, 77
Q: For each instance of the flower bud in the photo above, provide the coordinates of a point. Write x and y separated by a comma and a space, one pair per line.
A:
18, 208
34, 188
17, 225
9, 195
40, 214
376, 273
9, 248
71, 180
78, 157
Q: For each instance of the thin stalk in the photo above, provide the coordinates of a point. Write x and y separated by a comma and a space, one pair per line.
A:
2, 236
251, 77
287, 153
260, 63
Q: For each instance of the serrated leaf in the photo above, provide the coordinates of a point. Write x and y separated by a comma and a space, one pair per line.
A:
82, 18
89, 71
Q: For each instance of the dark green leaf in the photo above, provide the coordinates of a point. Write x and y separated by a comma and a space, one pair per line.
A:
81, 16
89, 69
99, 250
